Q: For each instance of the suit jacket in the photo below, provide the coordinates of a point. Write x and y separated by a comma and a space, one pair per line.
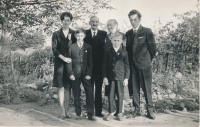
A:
60, 45
108, 43
81, 60
141, 48
97, 47
115, 64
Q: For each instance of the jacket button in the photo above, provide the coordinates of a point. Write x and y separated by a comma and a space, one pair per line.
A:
113, 70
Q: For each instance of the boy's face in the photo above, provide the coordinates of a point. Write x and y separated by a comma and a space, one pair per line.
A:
112, 26
80, 37
66, 21
116, 41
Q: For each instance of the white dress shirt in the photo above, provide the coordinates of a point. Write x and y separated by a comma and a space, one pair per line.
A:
66, 32
92, 32
135, 29
116, 49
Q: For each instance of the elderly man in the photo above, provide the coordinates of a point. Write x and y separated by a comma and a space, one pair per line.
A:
141, 50
96, 38
112, 26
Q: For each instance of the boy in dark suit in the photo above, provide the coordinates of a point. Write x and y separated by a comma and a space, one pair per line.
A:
79, 70
115, 73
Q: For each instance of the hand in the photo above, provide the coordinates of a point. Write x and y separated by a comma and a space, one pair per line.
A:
87, 77
72, 77
125, 83
105, 81
67, 60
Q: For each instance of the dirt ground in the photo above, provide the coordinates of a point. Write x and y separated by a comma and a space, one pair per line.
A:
30, 114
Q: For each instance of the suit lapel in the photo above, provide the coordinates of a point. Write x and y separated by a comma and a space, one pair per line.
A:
90, 34
137, 35
77, 47
113, 52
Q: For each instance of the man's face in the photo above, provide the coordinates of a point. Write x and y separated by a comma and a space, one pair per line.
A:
80, 37
135, 20
94, 23
66, 22
116, 41
112, 26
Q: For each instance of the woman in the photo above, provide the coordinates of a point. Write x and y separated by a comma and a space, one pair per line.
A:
61, 40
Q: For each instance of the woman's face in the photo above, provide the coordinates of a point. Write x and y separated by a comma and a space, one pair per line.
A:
66, 22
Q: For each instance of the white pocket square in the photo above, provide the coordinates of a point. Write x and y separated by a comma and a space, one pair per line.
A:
85, 50
140, 37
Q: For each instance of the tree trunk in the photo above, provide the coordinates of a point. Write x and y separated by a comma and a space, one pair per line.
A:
166, 64
13, 69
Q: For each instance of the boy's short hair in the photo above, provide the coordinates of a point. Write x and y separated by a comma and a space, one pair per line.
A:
66, 14
79, 30
118, 34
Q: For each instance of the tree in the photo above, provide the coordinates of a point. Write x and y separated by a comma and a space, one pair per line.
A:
21, 18
179, 46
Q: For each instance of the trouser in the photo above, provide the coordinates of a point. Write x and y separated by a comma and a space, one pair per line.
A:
77, 93
97, 80
116, 88
143, 78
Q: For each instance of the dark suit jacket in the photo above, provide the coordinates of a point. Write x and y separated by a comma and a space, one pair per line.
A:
141, 48
81, 60
60, 45
97, 47
115, 64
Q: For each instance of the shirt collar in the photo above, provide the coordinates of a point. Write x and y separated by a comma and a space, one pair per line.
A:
116, 49
136, 28
92, 31
80, 42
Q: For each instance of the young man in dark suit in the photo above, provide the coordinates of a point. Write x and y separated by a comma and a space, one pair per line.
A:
61, 40
116, 74
141, 50
96, 38
79, 71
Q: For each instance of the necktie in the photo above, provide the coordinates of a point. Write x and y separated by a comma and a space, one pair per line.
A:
134, 32
94, 34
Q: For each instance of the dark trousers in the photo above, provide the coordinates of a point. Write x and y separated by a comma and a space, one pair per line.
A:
116, 88
97, 80
77, 93
143, 78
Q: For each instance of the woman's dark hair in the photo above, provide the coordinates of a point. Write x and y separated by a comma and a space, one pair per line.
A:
66, 14
133, 12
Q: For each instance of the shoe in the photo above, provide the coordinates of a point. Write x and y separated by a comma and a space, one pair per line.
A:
135, 114
151, 115
92, 118
68, 116
84, 114
108, 117
78, 117
99, 115
119, 117
62, 117
115, 114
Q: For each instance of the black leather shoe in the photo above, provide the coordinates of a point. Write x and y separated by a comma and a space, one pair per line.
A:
99, 115
136, 114
151, 116
92, 118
